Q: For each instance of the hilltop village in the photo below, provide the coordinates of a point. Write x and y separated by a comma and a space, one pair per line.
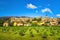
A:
25, 21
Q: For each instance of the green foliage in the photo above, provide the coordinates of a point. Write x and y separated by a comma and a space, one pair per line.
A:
19, 33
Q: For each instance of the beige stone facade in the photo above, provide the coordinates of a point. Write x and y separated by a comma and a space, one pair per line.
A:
6, 24
25, 21
20, 24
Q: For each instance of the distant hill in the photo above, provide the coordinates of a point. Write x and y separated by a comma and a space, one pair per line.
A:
7, 17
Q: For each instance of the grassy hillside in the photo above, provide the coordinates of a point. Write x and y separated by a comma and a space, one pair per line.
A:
30, 33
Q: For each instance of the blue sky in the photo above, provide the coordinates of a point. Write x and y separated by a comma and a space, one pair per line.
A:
31, 8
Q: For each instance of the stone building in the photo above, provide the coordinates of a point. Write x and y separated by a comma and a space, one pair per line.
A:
15, 21
6, 24
54, 21
20, 24
27, 24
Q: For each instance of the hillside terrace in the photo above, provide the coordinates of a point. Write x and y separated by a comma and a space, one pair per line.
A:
27, 21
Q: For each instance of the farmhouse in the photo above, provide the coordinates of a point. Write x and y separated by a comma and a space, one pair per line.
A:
20, 24
54, 21
6, 24
27, 24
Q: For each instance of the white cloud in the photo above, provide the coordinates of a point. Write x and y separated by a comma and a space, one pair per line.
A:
31, 6
58, 15
46, 10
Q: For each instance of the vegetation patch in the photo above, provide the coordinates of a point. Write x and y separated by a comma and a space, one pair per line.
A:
27, 33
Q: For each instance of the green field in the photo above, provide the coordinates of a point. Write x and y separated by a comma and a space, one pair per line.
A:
30, 33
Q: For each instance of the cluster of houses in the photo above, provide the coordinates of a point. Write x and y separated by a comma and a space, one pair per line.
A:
15, 21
